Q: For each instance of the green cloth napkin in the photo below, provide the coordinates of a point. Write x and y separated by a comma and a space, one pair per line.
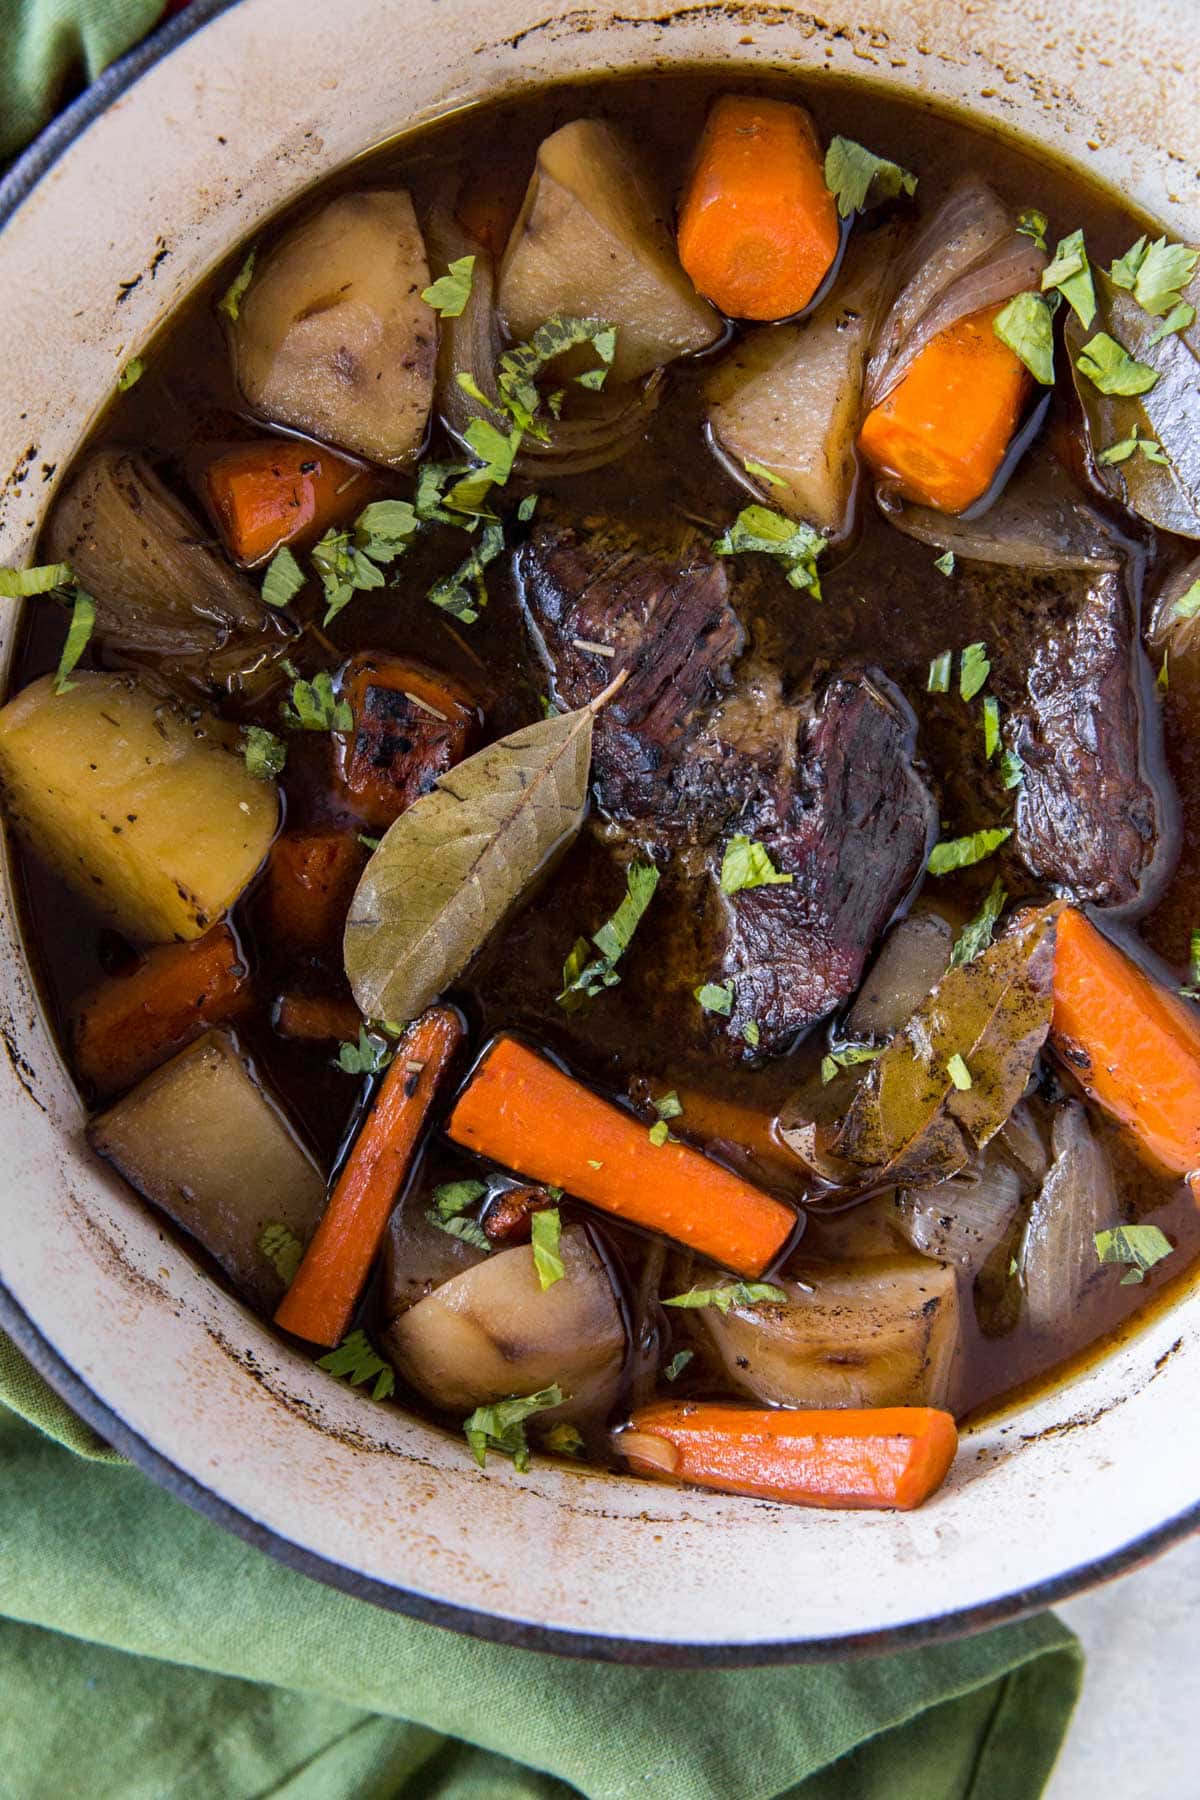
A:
142, 1643
50, 47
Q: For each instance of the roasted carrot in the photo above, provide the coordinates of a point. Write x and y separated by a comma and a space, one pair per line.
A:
316, 1018
758, 228
521, 1110
131, 1023
311, 877
1130, 1043
884, 1456
941, 434
411, 724
319, 1304
279, 491
718, 1120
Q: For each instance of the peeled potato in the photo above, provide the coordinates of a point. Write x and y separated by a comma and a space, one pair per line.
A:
143, 806
592, 242
332, 335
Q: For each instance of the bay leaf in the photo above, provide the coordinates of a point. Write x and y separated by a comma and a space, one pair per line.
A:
1167, 494
908, 1120
453, 867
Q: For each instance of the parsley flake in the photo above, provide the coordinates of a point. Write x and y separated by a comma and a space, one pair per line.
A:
991, 727
847, 1056
357, 1361
131, 374
746, 864
973, 670
584, 975
367, 1057
977, 933
282, 1249
758, 530
284, 578
1188, 603
761, 473
1141, 1246
449, 294
960, 853
1122, 451
959, 1073
751, 1034
451, 1197
463, 593
939, 673
265, 754
730, 1294
546, 1231
79, 632
944, 564
1025, 324
678, 1364
1110, 368
1070, 274
716, 997
565, 1440
857, 178
1156, 273
313, 706
1033, 223
1012, 769
660, 1131
230, 302
501, 1426
670, 1106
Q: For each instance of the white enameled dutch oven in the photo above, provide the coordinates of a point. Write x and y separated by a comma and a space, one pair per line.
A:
129, 200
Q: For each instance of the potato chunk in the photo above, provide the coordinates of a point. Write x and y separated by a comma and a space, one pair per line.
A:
592, 242
144, 807
332, 335
790, 396
880, 1331
203, 1140
492, 1332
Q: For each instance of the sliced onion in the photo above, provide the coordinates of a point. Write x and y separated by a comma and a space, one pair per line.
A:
1060, 1270
962, 1220
968, 256
1021, 1140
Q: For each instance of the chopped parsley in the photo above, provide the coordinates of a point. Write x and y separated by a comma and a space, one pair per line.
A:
501, 1426
265, 753
1164, 672
565, 1440
857, 178
23, 584
1188, 603
660, 1131
1012, 769
977, 933
678, 1364
495, 451
758, 530
131, 374
230, 302
939, 673
1026, 325
282, 1249
283, 580
961, 852
313, 706
546, 1231
519, 367
1156, 274
959, 1073
357, 1361
730, 1294
79, 633
944, 564
367, 1057
585, 975
1110, 368
991, 727
463, 593
973, 670
1178, 319
352, 561
451, 1200
1122, 451
670, 1106
1033, 223
847, 1056
761, 473
449, 294
751, 1033
716, 997
1192, 990
746, 864
1141, 1246
1070, 274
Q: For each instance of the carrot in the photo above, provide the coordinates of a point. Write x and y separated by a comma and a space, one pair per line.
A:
941, 434
521, 1110
714, 1118
311, 877
411, 724
882, 1456
758, 228
316, 1018
278, 491
1130, 1043
130, 1024
319, 1304
489, 202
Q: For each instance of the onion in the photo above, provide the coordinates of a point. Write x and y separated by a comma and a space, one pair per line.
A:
1060, 1271
602, 427
962, 1220
967, 256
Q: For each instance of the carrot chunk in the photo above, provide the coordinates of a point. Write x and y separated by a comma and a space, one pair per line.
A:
758, 228
130, 1024
411, 724
278, 492
1130, 1043
316, 1018
311, 877
319, 1304
941, 434
893, 1456
520, 1110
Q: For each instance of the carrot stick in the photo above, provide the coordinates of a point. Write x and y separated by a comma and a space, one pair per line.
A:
319, 1304
884, 1456
411, 724
521, 1110
311, 877
275, 492
758, 228
941, 434
316, 1018
130, 1024
714, 1118
1130, 1043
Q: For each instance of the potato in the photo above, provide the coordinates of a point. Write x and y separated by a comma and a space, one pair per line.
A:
592, 242
879, 1331
332, 335
493, 1332
202, 1140
790, 396
142, 805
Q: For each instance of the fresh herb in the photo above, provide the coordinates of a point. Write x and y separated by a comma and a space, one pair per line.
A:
678, 1364
991, 727
353, 561
313, 706
973, 670
449, 294
463, 593
660, 1131
356, 1360
282, 1249
1178, 319
959, 1073
758, 530
751, 1034
944, 564
1033, 223
847, 1056
961, 852
1141, 1246
1012, 769
131, 374
1025, 324
584, 975
1156, 273
519, 367
857, 178
23, 584
283, 580
1071, 275
746, 864
762, 473
939, 673
730, 1294
265, 753
1192, 990
546, 1231
527, 507
230, 302
978, 932
1188, 604
1164, 671
453, 1197
502, 1426
716, 997
495, 451
670, 1106
468, 1231
565, 1440
367, 1057
1121, 452
79, 632
1110, 368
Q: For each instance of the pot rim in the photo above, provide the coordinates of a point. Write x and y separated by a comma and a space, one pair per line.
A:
26, 172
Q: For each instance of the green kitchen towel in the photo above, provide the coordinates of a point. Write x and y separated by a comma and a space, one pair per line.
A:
50, 47
144, 1652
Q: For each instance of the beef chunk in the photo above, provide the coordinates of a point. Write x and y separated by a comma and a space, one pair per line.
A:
855, 836
1087, 817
